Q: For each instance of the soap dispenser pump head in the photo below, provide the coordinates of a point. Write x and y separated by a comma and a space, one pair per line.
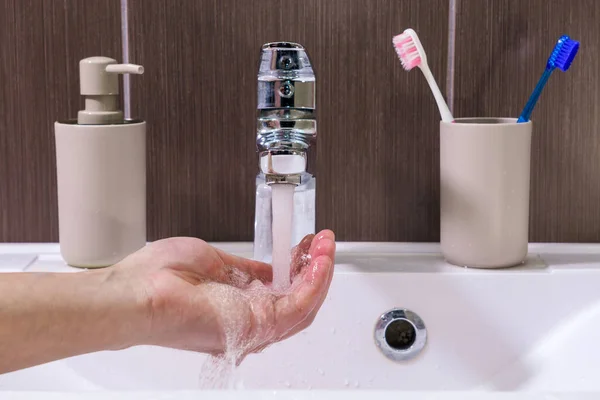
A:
99, 83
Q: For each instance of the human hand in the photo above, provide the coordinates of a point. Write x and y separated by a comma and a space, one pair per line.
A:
200, 298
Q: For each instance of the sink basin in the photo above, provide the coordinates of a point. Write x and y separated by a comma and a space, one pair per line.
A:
526, 333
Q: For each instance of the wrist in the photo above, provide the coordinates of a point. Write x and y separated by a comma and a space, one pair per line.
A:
124, 305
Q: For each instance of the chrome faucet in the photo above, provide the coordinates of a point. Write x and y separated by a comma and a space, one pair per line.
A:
286, 130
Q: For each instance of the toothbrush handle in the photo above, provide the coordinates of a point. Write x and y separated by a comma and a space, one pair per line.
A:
526, 113
443, 107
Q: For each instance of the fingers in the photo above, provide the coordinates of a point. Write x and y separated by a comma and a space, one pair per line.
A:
309, 320
324, 234
255, 269
297, 309
298, 254
304, 244
326, 247
322, 246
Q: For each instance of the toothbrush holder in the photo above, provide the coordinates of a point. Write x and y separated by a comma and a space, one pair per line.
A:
484, 188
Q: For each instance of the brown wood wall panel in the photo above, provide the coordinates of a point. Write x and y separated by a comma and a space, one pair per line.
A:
377, 164
501, 50
41, 43
377, 168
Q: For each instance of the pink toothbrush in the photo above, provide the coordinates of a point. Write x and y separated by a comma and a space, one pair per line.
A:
411, 54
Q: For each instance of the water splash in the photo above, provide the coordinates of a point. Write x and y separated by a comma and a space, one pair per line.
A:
246, 327
235, 307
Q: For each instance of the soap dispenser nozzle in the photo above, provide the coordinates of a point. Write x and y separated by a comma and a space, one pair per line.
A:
99, 83
125, 69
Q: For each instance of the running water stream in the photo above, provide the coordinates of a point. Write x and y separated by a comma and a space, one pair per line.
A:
283, 207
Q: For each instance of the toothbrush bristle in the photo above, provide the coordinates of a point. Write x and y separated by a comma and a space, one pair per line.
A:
407, 51
563, 54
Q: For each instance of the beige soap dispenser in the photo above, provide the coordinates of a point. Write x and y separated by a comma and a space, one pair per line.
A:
101, 171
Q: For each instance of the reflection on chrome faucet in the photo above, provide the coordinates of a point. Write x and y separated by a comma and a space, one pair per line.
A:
286, 130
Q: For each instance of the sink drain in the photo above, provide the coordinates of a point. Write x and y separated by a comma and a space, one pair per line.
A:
400, 334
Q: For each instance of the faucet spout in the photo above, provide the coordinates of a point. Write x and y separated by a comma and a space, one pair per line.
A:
283, 166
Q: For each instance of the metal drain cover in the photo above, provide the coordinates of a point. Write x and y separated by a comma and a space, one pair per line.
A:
400, 334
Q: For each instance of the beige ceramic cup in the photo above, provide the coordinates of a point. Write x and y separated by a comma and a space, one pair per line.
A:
484, 178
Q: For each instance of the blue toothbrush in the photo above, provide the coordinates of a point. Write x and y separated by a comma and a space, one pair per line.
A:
562, 56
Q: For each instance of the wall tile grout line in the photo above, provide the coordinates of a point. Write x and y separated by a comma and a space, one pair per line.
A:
451, 53
125, 56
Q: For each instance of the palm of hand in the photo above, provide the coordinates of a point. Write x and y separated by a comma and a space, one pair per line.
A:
203, 299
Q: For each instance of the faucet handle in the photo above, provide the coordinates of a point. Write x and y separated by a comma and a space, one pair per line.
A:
285, 77
284, 60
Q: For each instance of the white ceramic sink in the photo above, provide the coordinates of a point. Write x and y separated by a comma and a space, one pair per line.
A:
524, 333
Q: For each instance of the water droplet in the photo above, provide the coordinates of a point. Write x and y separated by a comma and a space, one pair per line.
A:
356, 384
333, 331
346, 382
321, 372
